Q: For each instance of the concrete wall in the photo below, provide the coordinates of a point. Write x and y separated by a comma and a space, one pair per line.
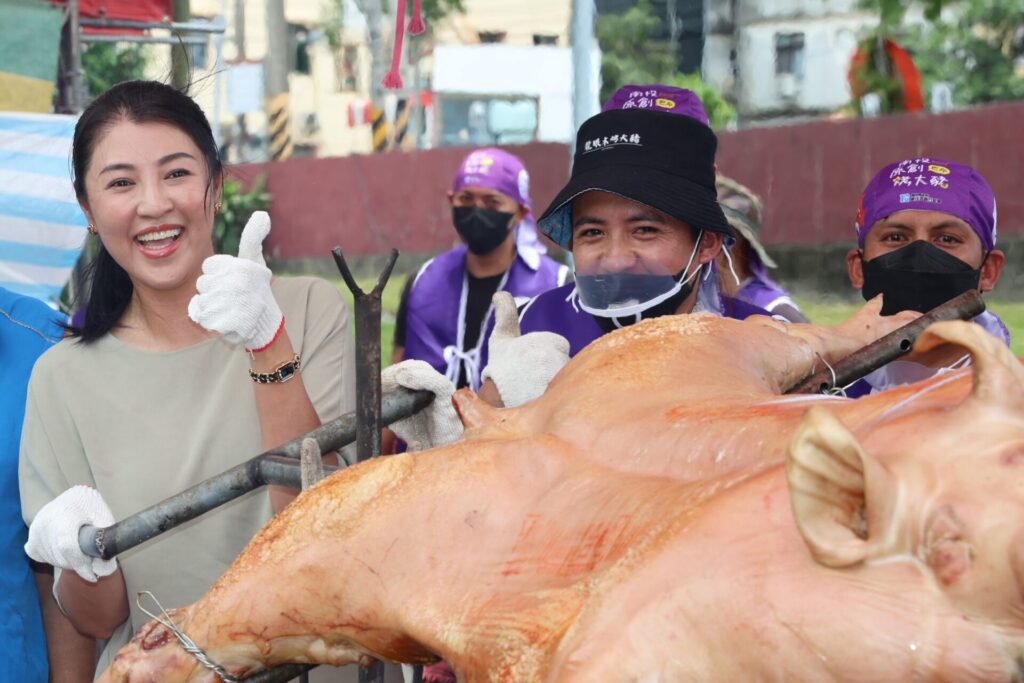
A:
741, 38
829, 45
750, 11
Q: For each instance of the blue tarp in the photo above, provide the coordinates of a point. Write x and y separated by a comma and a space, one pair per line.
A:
42, 228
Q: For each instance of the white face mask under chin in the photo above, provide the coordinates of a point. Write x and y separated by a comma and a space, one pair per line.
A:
637, 308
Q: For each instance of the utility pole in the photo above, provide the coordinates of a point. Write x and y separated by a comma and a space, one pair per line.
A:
275, 81
70, 96
180, 66
379, 128
582, 36
378, 60
241, 141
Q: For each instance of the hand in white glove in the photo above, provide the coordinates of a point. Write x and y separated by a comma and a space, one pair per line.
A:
521, 367
234, 296
437, 424
53, 534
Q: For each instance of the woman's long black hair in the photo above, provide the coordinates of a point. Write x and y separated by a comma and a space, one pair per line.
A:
110, 289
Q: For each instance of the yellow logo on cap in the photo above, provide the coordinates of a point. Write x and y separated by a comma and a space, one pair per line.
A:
941, 170
664, 103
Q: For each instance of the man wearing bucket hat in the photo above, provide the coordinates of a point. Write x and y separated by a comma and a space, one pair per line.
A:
748, 257
926, 232
641, 218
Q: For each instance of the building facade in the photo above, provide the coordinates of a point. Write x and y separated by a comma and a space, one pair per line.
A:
782, 60
329, 76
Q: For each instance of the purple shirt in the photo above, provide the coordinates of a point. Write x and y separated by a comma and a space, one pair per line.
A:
556, 311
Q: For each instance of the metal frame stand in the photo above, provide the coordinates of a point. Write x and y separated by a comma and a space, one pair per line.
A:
368, 409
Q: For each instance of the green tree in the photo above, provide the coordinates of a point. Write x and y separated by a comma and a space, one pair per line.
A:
630, 54
106, 64
980, 53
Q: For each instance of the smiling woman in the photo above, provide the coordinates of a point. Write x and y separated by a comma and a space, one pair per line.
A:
187, 363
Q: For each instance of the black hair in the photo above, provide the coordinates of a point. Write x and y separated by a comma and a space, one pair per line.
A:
110, 289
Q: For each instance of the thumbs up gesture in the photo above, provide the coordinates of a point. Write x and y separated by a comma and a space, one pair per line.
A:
234, 296
521, 366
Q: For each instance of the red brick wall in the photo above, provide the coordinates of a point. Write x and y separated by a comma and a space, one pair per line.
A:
371, 203
810, 176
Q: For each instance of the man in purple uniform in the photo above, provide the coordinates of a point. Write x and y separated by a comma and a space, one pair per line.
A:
926, 232
641, 218
445, 314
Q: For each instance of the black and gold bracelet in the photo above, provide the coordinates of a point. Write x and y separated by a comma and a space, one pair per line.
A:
282, 373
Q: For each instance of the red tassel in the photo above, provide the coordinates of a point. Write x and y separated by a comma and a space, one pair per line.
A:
393, 80
416, 25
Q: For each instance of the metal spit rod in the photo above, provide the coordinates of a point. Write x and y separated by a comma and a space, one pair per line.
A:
890, 347
277, 466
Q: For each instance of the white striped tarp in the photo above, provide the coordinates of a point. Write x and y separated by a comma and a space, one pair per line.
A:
42, 228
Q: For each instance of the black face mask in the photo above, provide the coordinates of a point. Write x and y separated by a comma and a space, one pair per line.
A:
482, 229
917, 277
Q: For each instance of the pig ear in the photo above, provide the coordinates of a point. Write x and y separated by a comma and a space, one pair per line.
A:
998, 375
827, 472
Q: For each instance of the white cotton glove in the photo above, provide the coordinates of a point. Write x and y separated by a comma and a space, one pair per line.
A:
53, 534
234, 296
437, 424
521, 367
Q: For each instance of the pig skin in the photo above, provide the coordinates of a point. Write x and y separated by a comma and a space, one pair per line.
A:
634, 523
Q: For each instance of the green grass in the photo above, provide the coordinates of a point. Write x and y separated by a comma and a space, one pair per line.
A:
824, 311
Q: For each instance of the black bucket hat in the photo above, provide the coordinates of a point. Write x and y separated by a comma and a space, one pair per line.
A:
663, 160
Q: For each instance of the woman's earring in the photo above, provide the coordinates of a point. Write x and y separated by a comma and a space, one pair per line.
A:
92, 229
216, 208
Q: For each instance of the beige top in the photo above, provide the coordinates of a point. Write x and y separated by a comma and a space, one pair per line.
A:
141, 426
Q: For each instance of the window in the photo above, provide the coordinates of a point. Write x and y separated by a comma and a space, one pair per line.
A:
545, 39
789, 54
298, 48
492, 36
483, 120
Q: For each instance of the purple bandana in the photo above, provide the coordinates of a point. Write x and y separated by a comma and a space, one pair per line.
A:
659, 98
495, 169
929, 184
